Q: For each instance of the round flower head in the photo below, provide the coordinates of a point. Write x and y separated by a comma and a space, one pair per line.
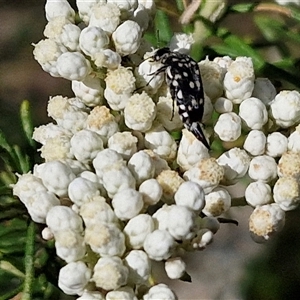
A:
287, 193
91, 295
55, 8
276, 144
190, 151
289, 165
74, 277
106, 58
285, 108
258, 193
139, 112
228, 127
124, 293
175, 267
160, 291
151, 191
159, 245
265, 221
127, 38
207, 173
110, 273
212, 78
105, 16
217, 202
137, 229
69, 37
263, 168
89, 91
254, 113
239, 80
293, 140
73, 66
139, 266
255, 142
223, 105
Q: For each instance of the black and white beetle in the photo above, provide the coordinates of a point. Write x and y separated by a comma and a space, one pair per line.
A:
184, 81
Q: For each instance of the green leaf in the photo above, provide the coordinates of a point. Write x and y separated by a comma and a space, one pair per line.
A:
23, 159
26, 119
235, 46
162, 25
243, 7
180, 5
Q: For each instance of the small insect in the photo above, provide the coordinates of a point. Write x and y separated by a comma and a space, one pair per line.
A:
184, 81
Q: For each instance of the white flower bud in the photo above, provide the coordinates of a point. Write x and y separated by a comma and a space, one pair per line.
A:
239, 80
56, 8
264, 90
44, 132
124, 143
170, 181
38, 205
90, 295
139, 266
228, 127
235, 162
120, 84
255, 142
287, 193
139, 112
69, 245
180, 222
151, 191
105, 239
124, 293
217, 202
127, 204
82, 190
137, 229
73, 66
258, 193
190, 151
54, 28
191, 195
276, 144
224, 62
62, 218
263, 168
117, 178
165, 107
89, 91
85, 145
104, 159
254, 113
160, 291
46, 53
92, 39
204, 237
175, 267
110, 273
212, 78
265, 221
181, 42
289, 165
56, 176
127, 37
106, 58
285, 108
141, 166
293, 140
69, 37
150, 82
27, 185
97, 211
57, 148
159, 245
223, 105
105, 16
85, 8
103, 122
73, 278
161, 142
207, 173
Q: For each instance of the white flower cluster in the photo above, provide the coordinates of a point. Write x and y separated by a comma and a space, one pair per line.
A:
116, 191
